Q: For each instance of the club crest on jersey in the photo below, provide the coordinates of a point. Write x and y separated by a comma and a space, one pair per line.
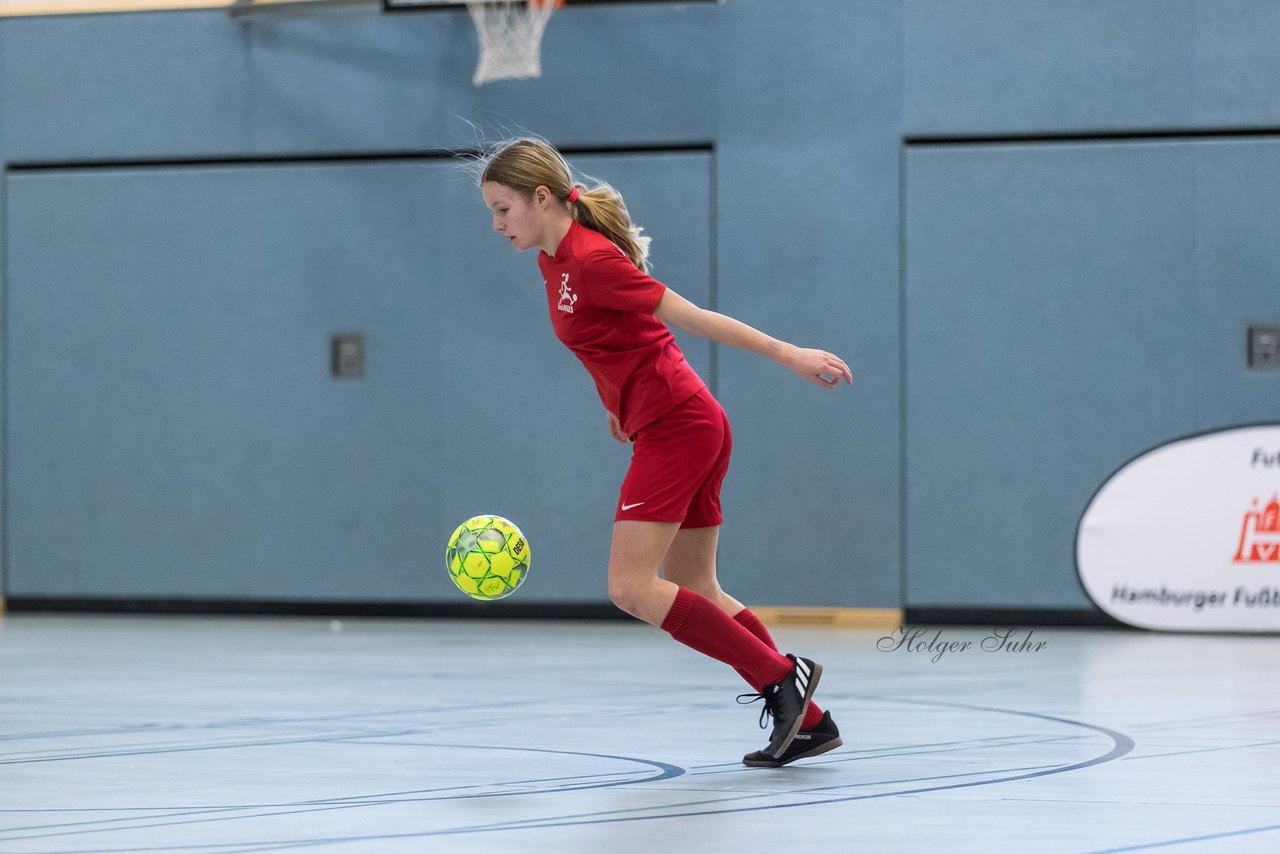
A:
567, 296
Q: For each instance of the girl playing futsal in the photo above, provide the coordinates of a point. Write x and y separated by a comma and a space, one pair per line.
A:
615, 318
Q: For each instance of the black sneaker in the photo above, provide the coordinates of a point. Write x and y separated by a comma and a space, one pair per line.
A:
786, 702
808, 742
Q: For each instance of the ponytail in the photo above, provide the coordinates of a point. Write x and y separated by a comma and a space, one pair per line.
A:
601, 209
526, 164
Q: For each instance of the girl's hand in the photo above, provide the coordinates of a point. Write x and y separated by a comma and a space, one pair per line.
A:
819, 367
615, 428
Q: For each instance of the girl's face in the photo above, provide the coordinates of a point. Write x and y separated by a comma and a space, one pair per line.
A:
521, 221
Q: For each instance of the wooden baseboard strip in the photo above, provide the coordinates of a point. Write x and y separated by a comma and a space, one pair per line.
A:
840, 618
41, 8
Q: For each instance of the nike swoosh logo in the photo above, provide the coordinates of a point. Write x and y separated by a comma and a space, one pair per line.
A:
629, 506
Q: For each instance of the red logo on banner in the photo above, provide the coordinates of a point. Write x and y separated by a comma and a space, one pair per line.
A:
1260, 534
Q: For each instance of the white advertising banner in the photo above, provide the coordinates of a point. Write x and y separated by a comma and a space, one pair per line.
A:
1187, 536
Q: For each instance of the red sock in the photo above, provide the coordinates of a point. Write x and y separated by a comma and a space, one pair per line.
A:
751, 623
696, 622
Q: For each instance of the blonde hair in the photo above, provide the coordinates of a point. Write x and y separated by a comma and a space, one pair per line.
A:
526, 164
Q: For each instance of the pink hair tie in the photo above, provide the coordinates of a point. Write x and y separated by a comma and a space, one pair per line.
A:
574, 194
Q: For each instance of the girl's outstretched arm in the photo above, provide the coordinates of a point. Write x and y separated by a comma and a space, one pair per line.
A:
817, 366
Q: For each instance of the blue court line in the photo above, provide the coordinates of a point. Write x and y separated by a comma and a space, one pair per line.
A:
1202, 750
993, 743
1218, 720
459, 792
586, 820
192, 748
329, 718
665, 772
237, 847
234, 723
134, 850
1188, 839
316, 843
1121, 745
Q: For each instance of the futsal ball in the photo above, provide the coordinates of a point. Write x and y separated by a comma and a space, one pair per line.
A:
487, 557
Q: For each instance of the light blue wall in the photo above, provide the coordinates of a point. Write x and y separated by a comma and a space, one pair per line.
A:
807, 248
1071, 303
174, 407
991, 67
1016, 416
1059, 306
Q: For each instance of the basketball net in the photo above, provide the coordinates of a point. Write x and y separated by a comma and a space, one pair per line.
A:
510, 37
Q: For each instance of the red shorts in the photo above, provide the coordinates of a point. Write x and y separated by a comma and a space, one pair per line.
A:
677, 465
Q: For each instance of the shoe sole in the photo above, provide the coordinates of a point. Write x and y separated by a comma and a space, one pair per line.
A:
778, 763
808, 695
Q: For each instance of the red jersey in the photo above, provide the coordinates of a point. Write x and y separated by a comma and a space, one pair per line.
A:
602, 309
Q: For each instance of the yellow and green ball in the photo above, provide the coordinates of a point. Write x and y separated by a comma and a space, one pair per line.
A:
487, 557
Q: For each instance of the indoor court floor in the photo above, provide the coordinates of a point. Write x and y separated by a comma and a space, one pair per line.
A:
231, 735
